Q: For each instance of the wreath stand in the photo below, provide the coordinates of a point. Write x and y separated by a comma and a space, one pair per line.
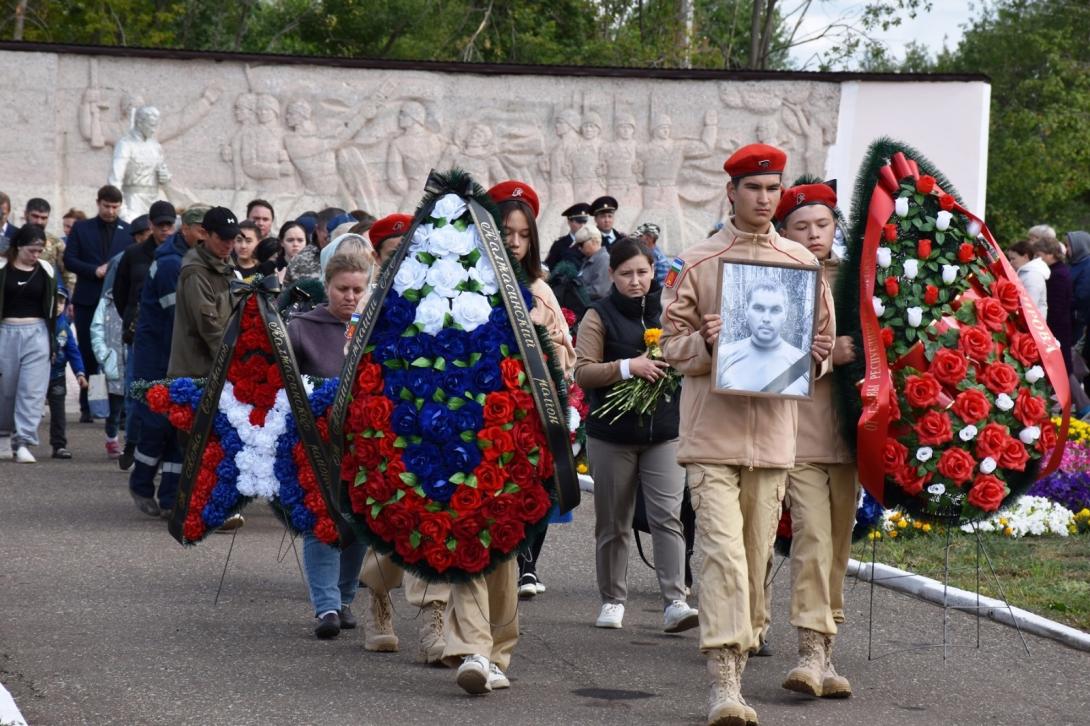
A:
947, 606
281, 555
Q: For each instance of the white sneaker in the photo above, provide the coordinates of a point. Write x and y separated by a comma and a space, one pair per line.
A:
23, 456
496, 678
679, 616
527, 586
474, 675
540, 587
611, 615
5, 447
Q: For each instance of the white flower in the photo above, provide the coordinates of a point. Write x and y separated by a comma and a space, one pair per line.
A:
1004, 402
484, 273
445, 275
967, 433
936, 489
942, 220
901, 206
1035, 374
924, 453
470, 309
987, 465
448, 241
432, 312
912, 268
915, 316
574, 419
420, 239
879, 308
1029, 434
411, 275
973, 229
885, 257
449, 207
949, 273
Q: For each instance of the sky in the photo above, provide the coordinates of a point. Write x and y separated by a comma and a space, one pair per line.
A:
930, 28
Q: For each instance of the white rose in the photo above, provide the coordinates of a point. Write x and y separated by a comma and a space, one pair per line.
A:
448, 240
449, 207
973, 229
1029, 434
987, 466
1035, 374
885, 257
936, 489
949, 273
574, 419
484, 273
912, 268
470, 309
915, 316
1004, 402
420, 239
432, 312
967, 433
924, 453
445, 275
901, 206
942, 221
411, 275
879, 308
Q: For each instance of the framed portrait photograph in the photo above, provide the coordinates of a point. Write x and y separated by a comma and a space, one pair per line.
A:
769, 321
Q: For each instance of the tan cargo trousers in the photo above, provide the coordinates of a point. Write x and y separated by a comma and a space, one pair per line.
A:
381, 575
737, 510
822, 499
482, 617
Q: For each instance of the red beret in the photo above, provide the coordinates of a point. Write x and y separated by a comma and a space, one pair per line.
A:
803, 196
392, 225
515, 190
755, 159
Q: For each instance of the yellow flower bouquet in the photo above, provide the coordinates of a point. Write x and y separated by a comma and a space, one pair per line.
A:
638, 395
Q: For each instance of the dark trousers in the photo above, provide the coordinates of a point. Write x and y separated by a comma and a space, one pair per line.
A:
55, 394
113, 421
530, 552
84, 314
156, 450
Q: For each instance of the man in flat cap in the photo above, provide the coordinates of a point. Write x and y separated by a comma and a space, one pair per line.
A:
603, 209
736, 449
577, 215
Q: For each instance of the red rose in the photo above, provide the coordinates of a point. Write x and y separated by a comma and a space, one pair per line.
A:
930, 295
1024, 349
1048, 437
386, 445
465, 499
1006, 292
887, 337
380, 525
991, 440
413, 503
524, 402
894, 409
512, 372
1014, 455
1029, 409
467, 525
500, 442
403, 546
949, 366
435, 526
507, 534
401, 519
957, 465
999, 378
545, 467
925, 184
892, 286
377, 411
521, 471
987, 493
368, 378
966, 252
946, 202
158, 398
923, 249
367, 454
499, 408
181, 417
439, 557
910, 481
471, 555
533, 503
933, 428
991, 313
526, 436
490, 478
894, 456
890, 232
501, 507
379, 488
922, 391
975, 342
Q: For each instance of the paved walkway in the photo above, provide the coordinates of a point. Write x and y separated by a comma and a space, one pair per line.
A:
104, 619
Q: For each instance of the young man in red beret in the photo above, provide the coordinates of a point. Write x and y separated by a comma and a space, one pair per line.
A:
385, 234
821, 488
736, 449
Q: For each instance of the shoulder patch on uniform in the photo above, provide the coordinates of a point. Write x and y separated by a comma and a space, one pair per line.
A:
674, 273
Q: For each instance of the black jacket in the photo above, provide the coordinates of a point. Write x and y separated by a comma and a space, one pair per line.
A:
129, 282
91, 243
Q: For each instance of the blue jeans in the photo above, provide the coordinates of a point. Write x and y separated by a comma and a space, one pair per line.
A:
113, 421
333, 575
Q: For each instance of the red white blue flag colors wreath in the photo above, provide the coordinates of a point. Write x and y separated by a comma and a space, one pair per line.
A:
450, 424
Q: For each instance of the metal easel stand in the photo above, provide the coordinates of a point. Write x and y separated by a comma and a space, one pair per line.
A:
281, 555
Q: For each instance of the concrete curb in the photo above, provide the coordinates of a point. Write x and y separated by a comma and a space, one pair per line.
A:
932, 591
9, 712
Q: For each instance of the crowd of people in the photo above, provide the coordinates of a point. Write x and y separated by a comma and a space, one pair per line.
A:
150, 299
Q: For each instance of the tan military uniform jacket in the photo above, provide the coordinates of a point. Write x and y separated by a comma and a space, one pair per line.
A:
200, 316
717, 428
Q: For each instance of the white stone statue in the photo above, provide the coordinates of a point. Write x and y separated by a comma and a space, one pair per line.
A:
618, 168
556, 167
475, 151
583, 161
139, 168
314, 152
103, 122
412, 155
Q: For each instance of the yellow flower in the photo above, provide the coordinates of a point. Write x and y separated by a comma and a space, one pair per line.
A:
902, 524
893, 534
1003, 521
874, 534
896, 516
1008, 531
651, 336
1083, 514
926, 527
582, 468
917, 525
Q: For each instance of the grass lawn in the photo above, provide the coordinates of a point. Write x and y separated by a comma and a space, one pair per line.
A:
1047, 575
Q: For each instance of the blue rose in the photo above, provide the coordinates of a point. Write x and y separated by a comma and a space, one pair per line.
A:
461, 457
397, 313
392, 381
302, 519
422, 383
498, 318
486, 376
469, 417
404, 419
411, 348
452, 344
422, 460
436, 422
455, 381
386, 348
439, 490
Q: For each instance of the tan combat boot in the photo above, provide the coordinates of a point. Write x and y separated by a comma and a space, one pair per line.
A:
725, 706
378, 625
806, 677
833, 685
432, 637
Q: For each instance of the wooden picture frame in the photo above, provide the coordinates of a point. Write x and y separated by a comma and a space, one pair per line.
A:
782, 300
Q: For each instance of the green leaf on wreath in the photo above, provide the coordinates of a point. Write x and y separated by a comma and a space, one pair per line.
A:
485, 538
533, 459
361, 477
504, 350
416, 439
480, 398
399, 495
375, 509
965, 314
400, 442
419, 491
474, 256
411, 295
426, 257
910, 333
506, 457
439, 396
422, 362
455, 402
468, 437
473, 358
405, 394
452, 544
460, 364
471, 481
414, 539
394, 363
458, 478
440, 364
419, 402
940, 237
408, 477
509, 488
461, 224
